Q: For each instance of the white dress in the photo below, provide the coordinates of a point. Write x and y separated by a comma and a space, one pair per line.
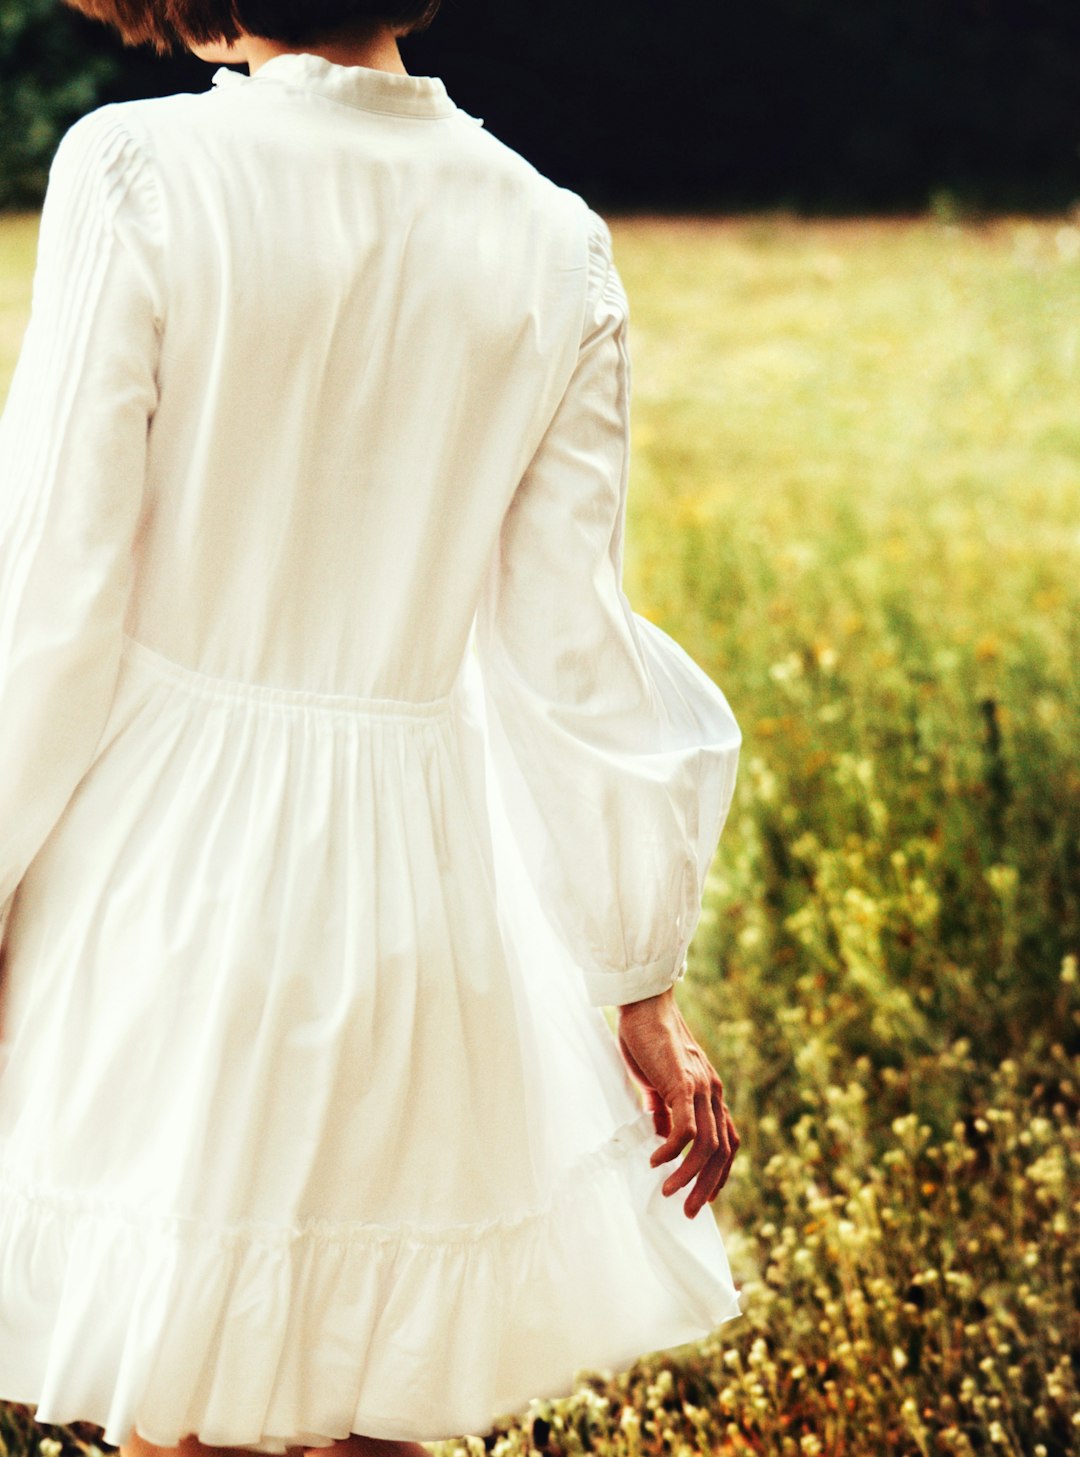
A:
341, 787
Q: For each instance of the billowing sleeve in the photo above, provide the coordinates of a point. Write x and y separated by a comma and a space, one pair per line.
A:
613, 752
73, 437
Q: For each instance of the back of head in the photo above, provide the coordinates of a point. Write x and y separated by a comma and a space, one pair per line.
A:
173, 25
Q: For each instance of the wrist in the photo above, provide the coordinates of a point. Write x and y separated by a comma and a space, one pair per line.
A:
657, 1001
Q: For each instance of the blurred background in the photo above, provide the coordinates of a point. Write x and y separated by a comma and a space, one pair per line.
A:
897, 104
850, 239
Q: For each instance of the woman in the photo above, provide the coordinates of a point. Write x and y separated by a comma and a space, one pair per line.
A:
342, 787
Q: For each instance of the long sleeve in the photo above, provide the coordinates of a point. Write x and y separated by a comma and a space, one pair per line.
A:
73, 438
614, 752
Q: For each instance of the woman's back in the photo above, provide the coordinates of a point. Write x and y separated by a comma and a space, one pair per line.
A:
310, 909
369, 326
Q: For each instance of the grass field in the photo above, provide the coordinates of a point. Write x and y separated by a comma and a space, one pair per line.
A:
856, 501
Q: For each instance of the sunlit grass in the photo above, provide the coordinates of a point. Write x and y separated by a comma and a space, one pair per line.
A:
18, 240
856, 500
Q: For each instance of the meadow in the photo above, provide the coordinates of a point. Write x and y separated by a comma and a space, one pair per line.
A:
855, 499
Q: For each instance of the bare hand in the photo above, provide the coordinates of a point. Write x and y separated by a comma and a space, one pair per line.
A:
684, 1093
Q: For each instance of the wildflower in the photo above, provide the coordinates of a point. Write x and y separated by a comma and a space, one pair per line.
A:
1002, 879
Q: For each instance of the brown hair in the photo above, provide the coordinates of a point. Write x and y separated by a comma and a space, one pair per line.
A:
170, 25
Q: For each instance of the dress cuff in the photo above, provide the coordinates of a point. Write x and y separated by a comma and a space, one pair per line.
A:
612, 988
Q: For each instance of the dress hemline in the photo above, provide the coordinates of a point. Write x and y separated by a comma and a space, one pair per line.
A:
497, 1321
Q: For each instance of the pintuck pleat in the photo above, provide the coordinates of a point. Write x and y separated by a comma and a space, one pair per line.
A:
329, 1158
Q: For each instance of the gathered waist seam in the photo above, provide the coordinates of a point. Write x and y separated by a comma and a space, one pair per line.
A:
207, 685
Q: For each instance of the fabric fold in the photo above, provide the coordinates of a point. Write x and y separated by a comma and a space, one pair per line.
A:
400, 1193
73, 476
614, 752
424, 1333
310, 1119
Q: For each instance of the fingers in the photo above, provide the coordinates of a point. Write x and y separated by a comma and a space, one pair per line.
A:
711, 1144
694, 1114
707, 1140
715, 1173
734, 1140
699, 1116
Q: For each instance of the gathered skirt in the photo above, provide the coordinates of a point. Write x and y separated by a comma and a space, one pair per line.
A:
307, 1126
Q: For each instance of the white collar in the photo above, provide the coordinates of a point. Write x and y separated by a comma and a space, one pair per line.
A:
365, 87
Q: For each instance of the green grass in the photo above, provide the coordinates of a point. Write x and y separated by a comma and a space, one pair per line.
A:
18, 240
856, 500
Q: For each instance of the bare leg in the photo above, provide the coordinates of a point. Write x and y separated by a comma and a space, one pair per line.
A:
189, 1446
353, 1446
357, 1446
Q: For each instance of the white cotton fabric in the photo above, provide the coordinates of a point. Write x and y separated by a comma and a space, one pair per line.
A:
341, 785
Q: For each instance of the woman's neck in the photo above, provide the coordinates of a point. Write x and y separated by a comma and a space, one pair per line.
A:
377, 48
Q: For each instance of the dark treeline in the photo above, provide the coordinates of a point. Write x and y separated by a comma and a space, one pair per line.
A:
808, 105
